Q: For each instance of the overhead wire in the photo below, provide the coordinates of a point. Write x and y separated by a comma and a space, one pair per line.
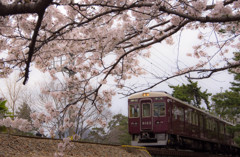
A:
170, 65
165, 62
163, 72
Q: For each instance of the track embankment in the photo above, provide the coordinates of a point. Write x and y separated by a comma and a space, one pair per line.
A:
18, 146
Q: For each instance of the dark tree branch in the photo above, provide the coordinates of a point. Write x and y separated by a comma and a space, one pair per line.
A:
164, 79
206, 19
155, 84
32, 47
212, 71
24, 8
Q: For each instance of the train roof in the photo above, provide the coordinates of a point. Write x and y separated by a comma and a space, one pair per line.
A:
151, 94
164, 94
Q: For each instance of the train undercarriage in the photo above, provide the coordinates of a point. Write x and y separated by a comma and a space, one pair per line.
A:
163, 140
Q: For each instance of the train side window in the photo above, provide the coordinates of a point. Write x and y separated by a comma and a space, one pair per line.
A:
159, 109
178, 113
221, 127
174, 111
228, 131
181, 114
195, 118
201, 121
133, 110
189, 116
208, 124
214, 126
211, 125
146, 108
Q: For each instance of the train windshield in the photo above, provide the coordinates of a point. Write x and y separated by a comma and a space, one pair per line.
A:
146, 108
133, 110
159, 109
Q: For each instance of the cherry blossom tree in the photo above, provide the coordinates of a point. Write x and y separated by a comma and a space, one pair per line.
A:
106, 36
78, 119
102, 40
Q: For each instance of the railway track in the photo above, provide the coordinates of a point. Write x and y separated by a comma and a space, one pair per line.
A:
158, 152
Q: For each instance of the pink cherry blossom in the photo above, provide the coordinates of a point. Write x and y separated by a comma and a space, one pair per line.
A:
7, 122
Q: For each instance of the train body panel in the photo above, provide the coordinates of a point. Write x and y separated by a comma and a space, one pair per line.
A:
156, 118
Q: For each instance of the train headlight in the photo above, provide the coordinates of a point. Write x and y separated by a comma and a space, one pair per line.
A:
145, 94
159, 122
134, 123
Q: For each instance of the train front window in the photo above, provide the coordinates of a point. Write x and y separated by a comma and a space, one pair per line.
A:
146, 108
159, 109
133, 110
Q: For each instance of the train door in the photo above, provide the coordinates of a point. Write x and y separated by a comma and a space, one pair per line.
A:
146, 115
170, 115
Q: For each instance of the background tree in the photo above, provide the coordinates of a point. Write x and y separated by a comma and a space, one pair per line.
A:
3, 111
98, 135
24, 112
13, 91
227, 104
82, 116
191, 94
3, 108
116, 132
235, 86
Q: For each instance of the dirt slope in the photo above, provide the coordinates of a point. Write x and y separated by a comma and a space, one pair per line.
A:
15, 146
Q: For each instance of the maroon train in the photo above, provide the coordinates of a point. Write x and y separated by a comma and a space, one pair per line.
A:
158, 119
